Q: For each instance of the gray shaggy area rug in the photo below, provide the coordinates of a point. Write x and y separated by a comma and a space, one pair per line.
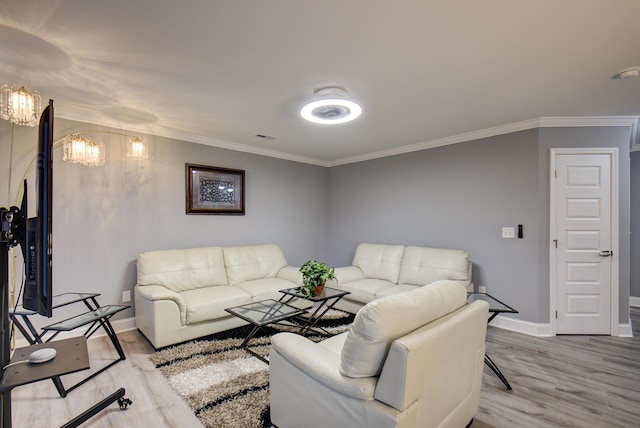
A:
224, 385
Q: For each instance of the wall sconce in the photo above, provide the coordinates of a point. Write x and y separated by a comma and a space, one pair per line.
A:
137, 148
83, 150
20, 105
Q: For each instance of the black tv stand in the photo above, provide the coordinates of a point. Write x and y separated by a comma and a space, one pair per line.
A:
71, 354
116, 396
96, 318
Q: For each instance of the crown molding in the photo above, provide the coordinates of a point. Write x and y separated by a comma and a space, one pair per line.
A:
160, 131
455, 139
543, 122
223, 144
568, 122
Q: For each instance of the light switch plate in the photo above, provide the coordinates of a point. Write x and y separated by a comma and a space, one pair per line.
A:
508, 232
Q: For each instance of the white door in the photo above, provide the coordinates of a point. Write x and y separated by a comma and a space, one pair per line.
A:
583, 220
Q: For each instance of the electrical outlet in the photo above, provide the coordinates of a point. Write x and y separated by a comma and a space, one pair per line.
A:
508, 232
126, 296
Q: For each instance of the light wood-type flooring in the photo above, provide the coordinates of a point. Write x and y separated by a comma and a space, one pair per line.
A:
563, 381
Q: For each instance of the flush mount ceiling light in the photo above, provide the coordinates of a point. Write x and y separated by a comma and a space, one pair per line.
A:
331, 106
20, 105
627, 73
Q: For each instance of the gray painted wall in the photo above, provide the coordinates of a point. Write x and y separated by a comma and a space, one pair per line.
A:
457, 196
105, 216
460, 196
635, 224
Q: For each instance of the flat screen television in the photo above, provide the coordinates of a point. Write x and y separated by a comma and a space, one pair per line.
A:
37, 248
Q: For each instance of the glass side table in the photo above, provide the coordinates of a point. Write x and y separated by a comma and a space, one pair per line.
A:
88, 317
28, 330
495, 307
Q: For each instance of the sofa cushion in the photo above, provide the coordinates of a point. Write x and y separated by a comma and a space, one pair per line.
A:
395, 289
423, 265
209, 303
365, 290
180, 270
379, 261
383, 320
267, 288
253, 262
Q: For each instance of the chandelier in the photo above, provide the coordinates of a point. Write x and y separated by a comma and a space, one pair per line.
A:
20, 105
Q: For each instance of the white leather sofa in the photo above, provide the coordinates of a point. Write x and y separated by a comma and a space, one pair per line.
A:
409, 360
182, 294
381, 270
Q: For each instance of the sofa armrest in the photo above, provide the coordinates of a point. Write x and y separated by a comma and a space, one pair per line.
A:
290, 273
158, 292
321, 364
348, 274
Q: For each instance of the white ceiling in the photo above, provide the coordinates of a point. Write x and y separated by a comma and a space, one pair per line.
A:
221, 71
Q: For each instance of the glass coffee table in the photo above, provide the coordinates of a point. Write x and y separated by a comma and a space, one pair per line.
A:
270, 311
495, 307
327, 300
263, 313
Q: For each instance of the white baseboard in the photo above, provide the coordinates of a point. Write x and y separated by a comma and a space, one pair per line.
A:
118, 325
634, 301
519, 326
544, 330
625, 330
506, 323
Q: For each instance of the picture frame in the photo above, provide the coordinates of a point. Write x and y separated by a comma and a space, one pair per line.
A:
214, 190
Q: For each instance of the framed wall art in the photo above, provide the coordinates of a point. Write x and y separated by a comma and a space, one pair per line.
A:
213, 190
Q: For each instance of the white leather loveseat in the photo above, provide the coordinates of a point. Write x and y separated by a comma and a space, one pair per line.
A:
410, 360
182, 294
381, 270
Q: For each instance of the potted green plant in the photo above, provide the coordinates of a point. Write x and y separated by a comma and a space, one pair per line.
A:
314, 275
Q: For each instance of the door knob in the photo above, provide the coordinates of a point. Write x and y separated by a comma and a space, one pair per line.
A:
605, 253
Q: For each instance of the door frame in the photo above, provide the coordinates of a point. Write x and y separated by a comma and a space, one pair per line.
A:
615, 246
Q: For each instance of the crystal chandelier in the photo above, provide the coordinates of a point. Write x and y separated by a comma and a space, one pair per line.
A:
137, 148
20, 105
83, 150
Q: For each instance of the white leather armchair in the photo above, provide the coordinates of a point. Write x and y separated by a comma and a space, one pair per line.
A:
413, 359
